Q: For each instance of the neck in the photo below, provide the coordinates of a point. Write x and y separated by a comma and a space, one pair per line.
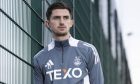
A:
61, 38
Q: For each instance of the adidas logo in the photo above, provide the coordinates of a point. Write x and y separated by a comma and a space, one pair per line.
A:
49, 64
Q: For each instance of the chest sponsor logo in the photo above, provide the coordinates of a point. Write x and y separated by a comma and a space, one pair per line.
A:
71, 73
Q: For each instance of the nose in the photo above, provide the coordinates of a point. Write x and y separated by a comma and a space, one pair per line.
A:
62, 21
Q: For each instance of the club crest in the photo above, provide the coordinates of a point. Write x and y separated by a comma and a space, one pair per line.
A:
77, 61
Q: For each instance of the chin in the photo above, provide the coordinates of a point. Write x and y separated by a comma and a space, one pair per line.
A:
61, 34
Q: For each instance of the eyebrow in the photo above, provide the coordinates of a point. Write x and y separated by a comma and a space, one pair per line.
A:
60, 16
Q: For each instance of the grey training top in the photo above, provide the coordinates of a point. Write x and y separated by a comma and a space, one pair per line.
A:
68, 62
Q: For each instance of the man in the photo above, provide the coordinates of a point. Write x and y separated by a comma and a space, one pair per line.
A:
66, 60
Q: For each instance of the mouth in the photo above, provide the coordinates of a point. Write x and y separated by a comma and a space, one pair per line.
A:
62, 27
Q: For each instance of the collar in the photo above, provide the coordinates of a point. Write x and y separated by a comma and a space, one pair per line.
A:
62, 43
69, 42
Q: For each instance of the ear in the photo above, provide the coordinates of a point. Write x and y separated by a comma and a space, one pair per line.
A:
47, 23
72, 23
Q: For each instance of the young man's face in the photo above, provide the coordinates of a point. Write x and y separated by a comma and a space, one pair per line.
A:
60, 22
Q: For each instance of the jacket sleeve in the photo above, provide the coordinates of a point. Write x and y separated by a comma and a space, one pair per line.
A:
38, 77
94, 67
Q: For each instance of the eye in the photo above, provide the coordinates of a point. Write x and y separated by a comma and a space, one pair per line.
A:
66, 17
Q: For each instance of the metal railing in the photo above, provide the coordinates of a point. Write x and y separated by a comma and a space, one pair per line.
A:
16, 56
20, 27
2, 82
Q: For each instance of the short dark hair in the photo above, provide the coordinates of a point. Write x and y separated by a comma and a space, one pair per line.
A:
57, 5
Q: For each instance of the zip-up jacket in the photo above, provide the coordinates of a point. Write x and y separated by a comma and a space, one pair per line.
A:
68, 62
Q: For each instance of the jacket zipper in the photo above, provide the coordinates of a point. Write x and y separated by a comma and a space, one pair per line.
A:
62, 47
62, 54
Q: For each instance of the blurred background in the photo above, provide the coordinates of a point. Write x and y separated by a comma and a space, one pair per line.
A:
129, 15
111, 25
